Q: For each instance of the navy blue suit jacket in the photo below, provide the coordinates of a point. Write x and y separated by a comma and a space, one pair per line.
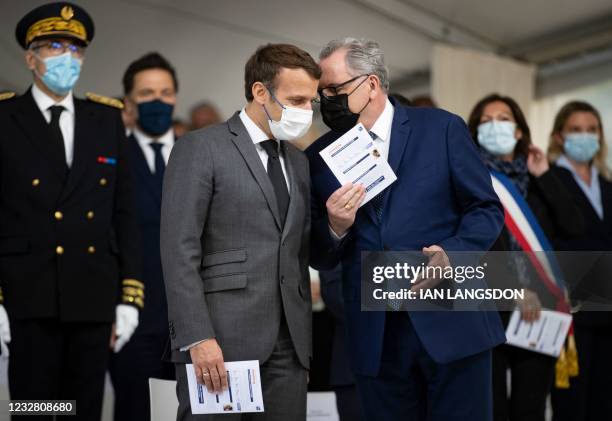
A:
154, 316
443, 195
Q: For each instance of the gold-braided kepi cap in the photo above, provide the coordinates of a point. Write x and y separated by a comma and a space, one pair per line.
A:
55, 20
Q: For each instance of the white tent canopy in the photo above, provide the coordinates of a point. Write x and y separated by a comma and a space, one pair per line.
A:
209, 41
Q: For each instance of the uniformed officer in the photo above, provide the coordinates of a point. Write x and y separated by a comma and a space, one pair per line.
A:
69, 241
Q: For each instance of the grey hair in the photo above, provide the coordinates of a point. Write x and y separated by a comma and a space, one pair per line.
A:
363, 56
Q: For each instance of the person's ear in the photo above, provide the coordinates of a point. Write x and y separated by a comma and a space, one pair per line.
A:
260, 93
30, 60
518, 133
374, 84
558, 138
129, 107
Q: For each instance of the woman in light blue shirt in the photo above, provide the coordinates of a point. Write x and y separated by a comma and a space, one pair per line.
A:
578, 149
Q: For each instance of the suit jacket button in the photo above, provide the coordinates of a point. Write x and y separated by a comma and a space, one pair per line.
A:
91, 249
59, 250
90, 215
35, 182
58, 215
282, 279
103, 181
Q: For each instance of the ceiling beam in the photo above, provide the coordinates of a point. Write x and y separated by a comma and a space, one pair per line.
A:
426, 23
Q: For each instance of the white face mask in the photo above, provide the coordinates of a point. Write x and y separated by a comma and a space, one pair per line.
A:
294, 122
497, 137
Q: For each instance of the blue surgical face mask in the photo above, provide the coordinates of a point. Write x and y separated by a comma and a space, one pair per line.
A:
62, 73
581, 147
155, 117
497, 137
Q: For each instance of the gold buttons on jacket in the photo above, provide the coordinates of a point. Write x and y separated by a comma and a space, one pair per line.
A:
59, 250
90, 215
58, 215
103, 181
91, 249
35, 182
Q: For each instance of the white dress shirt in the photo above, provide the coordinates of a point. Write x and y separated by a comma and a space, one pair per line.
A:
144, 140
257, 136
66, 121
592, 192
382, 129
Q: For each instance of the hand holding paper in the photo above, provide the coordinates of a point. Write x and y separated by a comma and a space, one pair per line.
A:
342, 206
243, 392
354, 158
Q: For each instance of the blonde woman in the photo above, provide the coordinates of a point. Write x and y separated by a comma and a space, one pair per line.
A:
578, 148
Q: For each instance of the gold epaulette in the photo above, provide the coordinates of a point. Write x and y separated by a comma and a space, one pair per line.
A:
105, 100
6, 95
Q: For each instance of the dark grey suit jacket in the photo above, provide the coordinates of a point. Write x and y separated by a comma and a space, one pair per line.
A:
229, 268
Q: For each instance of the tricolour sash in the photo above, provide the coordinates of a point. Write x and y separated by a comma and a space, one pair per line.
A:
523, 225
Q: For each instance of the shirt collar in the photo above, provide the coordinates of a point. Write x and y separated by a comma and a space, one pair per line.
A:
382, 126
144, 140
44, 101
563, 162
255, 133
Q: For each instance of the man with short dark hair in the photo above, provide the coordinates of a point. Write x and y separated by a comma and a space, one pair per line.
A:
150, 95
69, 249
235, 239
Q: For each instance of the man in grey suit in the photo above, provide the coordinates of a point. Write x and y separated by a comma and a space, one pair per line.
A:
235, 237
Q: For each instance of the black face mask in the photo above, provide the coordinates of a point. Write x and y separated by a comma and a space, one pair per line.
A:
336, 112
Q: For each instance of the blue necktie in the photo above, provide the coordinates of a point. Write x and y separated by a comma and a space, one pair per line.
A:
377, 202
391, 284
160, 165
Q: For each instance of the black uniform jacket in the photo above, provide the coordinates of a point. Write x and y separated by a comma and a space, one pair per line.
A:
65, 246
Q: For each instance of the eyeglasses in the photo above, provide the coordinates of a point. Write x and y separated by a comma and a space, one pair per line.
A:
56, 48
335, 90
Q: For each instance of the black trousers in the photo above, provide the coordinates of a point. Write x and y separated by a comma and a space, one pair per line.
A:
348, 403
50, 359
532, 376
130, 371
589, 397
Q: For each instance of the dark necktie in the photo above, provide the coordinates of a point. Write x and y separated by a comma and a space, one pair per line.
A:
377, 202
277, 177
160, 165
58, 148
392, 285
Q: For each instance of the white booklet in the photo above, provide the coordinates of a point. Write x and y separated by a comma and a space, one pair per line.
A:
243, 394
546, 335
354, 157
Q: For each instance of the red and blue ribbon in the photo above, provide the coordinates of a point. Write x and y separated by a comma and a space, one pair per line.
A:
523, 225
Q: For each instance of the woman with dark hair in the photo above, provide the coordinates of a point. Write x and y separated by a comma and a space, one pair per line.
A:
578, 148
500, 129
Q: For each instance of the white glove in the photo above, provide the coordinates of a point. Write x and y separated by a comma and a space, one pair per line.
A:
5, 332
125, 324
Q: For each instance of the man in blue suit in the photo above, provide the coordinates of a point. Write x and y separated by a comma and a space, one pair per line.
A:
150, 86
408, 365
